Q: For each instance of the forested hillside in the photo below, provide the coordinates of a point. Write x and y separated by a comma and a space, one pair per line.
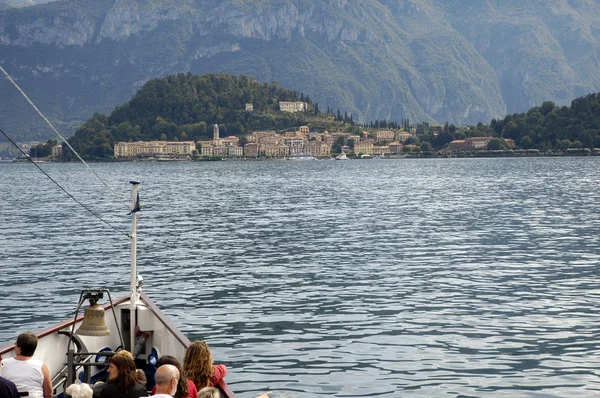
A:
185, 107
551, 127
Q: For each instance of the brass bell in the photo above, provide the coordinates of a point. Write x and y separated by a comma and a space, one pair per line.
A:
93, 320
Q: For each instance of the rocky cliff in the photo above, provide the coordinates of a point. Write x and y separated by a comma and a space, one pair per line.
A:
428, 60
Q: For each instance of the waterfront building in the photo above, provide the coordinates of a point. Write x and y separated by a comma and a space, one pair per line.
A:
235, 151
458, 145
380, 150
478, 143
251, 150
318, 148
57, 150
207, 150
364, 147
395, 147
296, 106
295, 144
153, 148
220, 151
304, 130
274, 151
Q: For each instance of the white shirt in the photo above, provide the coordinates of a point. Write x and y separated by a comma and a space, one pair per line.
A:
27, 375
162, 396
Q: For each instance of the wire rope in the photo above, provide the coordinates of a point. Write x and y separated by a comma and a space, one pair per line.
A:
56, 131
63, 189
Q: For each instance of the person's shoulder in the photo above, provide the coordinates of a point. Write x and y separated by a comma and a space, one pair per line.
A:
5, 382
140, 390
7, 361
8, 388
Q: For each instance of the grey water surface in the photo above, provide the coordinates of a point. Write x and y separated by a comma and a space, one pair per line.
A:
373, 278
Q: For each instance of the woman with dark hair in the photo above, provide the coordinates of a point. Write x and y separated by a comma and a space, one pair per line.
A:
122, 379
198, 366
185, 387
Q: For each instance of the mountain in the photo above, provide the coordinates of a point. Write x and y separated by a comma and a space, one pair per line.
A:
21, 3
427, 60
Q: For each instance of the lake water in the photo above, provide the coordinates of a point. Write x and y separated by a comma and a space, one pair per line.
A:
373, 278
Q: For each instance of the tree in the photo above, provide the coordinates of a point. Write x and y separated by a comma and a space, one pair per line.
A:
563, 144
526, 142
576, 144
547, 107
459, 135
425, 146
511, 130
412, 140
496, 144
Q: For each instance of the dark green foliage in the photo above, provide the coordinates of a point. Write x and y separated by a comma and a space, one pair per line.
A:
496, 144
551, 127
42, 150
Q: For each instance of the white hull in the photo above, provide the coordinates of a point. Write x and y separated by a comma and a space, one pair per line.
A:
165, 338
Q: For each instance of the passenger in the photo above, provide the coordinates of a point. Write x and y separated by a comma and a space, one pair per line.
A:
123, 379
167, 378
209, 392
198, 366
126, 353
141, 376
8, 389
29, 374
185, 387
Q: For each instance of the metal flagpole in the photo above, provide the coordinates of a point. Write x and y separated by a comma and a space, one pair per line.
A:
133, 277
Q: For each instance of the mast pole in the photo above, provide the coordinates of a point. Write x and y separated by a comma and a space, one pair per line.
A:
133, 277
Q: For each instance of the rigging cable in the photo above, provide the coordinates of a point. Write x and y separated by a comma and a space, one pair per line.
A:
64, 190
55, 130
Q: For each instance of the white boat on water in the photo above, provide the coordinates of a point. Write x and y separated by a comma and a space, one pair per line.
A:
342, 157
79, 348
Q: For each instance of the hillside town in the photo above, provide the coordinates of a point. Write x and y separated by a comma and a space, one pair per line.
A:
270, 144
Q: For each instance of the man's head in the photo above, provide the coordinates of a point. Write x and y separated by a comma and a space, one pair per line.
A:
167, 377
27, 343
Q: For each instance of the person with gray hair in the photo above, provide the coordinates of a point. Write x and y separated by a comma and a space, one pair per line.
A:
209, 392
167, 377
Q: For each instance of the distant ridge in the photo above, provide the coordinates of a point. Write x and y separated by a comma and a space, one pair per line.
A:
426, 60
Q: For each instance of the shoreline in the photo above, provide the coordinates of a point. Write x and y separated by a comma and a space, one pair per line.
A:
420, 155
